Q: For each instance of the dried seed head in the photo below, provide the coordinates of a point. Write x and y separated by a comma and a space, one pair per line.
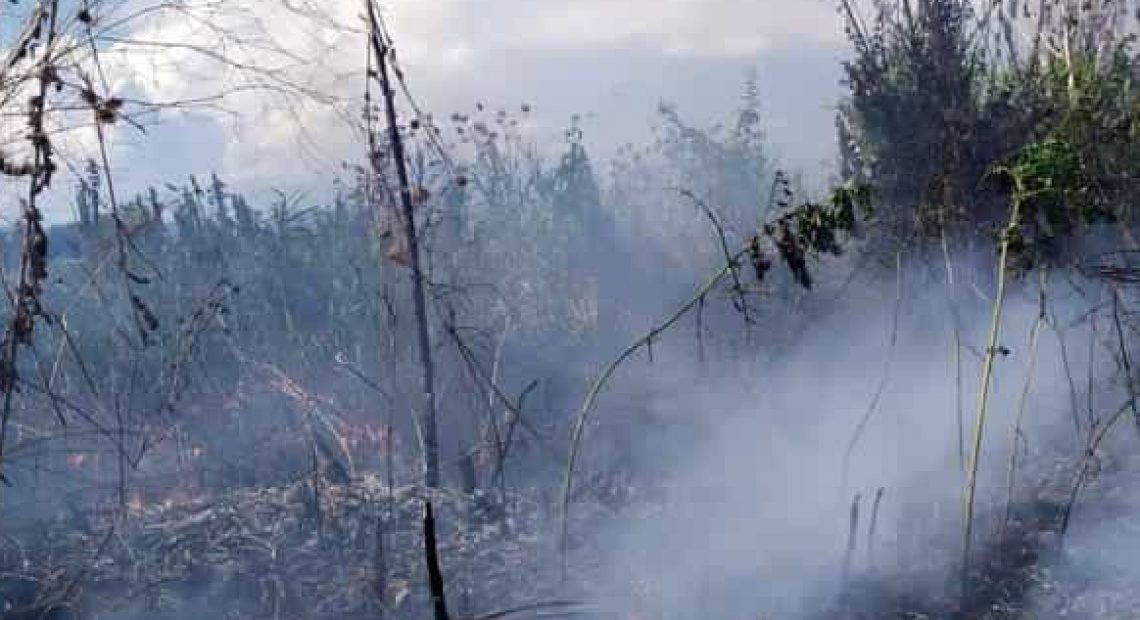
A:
105, 115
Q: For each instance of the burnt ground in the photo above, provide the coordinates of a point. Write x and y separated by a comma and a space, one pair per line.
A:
1051, 559
278, 553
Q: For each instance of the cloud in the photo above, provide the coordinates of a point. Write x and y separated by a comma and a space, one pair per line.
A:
730, 28
292, 71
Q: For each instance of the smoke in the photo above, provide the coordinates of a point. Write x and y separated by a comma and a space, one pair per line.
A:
755, 502
811, 458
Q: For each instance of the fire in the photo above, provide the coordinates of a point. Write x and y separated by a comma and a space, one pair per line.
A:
231, 403
138, 501
180, 497
380, 435
384, 435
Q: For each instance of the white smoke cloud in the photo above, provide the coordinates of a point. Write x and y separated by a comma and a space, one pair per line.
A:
756, 515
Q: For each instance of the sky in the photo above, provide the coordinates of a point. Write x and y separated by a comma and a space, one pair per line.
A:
610, 61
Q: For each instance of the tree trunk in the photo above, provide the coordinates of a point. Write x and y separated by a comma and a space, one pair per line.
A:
419, 294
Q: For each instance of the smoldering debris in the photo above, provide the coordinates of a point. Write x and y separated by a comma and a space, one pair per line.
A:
280, 552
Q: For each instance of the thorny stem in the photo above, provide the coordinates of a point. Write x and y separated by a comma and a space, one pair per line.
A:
1125, 363
877, 397
1096, 436
739, 301
959, 419
991, 353
1023, 401
952, 299
1063, 347
603, 379
495, 394
25, 299
873, 526
849, 552
1090, 400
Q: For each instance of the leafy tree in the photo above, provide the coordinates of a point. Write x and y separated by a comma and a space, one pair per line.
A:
940, 94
